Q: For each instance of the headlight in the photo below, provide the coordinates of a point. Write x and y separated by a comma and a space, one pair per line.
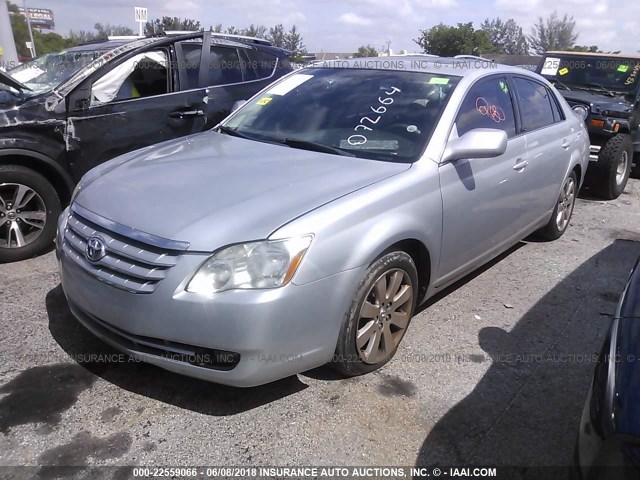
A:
266, 264
581, 111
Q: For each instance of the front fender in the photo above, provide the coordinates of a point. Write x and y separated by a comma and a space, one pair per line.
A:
351, 232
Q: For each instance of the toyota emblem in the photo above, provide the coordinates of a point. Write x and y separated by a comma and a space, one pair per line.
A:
96, 249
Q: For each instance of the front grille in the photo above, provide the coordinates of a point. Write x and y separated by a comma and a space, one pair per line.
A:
128, 264
180, 352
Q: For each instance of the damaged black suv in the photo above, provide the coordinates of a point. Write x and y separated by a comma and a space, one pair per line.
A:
605, 90
64, 113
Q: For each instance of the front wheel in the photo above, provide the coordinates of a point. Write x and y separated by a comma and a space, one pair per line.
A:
379, 316
562, 212
612, 171
29, 209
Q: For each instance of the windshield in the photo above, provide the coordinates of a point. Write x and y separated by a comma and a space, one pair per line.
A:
607, 74
46, 72
377, 114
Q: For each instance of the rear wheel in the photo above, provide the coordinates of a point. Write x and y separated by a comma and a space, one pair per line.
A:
562, 212
612, 171
379, 316
29, 209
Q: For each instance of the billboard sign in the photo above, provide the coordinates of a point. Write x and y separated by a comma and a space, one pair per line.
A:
39, 17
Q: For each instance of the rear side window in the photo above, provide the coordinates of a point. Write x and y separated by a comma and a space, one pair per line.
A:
536, 104
264, 63
225, 66
487, 105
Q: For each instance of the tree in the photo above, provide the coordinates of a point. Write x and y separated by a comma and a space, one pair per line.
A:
171, 23
582, 48
448, 41
216, 29
258, 31
277, 36
107, 30
553, 33
293, 43
506, 37
366, 51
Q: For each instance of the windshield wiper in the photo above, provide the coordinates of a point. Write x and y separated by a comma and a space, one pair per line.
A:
316, 147
601, 88
558, 82
233, 132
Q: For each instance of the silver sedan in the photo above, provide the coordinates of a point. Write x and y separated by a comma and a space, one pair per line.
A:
309, 225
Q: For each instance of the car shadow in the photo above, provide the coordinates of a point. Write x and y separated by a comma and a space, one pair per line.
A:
150, 381
525, 411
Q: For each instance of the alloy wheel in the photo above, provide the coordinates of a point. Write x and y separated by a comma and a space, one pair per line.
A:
621, 170
565, 203
384, 316
23, 215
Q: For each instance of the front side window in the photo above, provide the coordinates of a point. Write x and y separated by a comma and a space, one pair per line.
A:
143, 75
377, 114
535, 104
487, 105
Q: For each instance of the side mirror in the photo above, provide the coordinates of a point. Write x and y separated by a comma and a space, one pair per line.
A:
237, 105
477, 143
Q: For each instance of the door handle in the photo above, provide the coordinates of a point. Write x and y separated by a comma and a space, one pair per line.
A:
186, 113
520, 165
566, 144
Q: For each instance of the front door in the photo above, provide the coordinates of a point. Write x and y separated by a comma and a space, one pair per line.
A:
136, 103
482, 198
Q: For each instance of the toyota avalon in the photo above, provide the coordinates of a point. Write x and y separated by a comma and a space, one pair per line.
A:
307, 227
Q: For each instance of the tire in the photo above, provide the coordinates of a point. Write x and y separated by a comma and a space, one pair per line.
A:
613, 168
390, 322
36, 218
559, 221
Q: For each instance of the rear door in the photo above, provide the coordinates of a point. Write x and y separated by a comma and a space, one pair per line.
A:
549, 139
484, 200
138, 101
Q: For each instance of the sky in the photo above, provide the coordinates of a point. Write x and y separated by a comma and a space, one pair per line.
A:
344, 25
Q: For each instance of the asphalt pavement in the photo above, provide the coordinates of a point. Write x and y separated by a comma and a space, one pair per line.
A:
494, 372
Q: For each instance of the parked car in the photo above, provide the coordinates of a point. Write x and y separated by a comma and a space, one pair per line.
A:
310, 224
64, 113
603, 89
608, 444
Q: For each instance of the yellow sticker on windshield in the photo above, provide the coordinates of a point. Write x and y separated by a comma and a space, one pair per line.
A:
563, 71
623, 68
439, 81
264, 101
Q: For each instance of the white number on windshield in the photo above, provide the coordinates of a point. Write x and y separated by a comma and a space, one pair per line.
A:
380, 108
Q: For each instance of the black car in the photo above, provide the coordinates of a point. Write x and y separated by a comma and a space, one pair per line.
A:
609, 439
64, 113
605, 90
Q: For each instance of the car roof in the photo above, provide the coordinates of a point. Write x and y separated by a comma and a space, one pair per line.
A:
590, 54
221, 38
453, 66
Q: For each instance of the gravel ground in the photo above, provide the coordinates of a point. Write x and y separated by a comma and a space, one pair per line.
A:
494, 372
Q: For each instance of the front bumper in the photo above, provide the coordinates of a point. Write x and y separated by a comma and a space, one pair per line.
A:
276, 333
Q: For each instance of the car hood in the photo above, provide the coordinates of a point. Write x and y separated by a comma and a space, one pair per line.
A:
598, 102
212, 190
